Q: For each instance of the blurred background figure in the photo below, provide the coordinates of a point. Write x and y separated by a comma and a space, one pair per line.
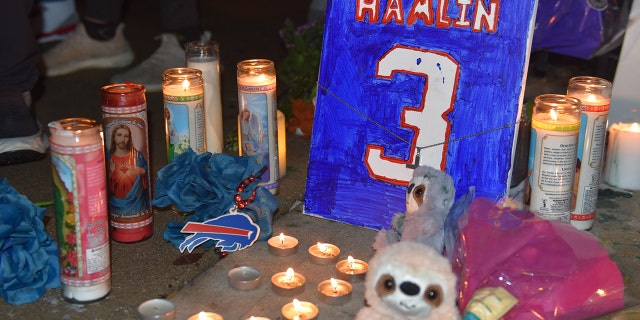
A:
21, 139
99, 42
53, 20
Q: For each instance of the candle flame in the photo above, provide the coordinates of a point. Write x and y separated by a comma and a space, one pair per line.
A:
322, 247
290, 274
350, 261
591, 98
554, 115
202, 316
635, 127
334, 284
297, 306
185, 84
281, 238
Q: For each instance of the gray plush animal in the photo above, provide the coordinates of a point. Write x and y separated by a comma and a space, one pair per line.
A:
430, 196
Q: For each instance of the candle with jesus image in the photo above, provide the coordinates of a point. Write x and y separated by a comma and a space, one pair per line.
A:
552, 155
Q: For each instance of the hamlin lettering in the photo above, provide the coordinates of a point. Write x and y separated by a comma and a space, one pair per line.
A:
483, 17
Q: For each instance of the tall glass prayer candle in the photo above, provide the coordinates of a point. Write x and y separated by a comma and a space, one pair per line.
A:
184, 113
258, 131
205, 56
552, 155
595, 95
124, 118
80, 195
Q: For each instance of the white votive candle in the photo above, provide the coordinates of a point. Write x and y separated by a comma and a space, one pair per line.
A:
622, 169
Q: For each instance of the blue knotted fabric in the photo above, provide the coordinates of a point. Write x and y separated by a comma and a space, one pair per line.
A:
206, 184
28, 255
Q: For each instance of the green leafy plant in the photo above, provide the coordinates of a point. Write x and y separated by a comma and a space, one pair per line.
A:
298, 70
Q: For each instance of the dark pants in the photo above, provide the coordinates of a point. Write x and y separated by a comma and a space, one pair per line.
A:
177, 15
19, 51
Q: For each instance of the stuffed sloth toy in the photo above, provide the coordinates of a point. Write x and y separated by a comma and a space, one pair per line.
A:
409, 280
430, 196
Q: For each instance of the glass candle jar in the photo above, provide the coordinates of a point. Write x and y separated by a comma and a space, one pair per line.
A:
183, 94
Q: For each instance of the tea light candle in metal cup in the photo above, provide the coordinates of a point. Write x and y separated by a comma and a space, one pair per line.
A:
257, 318
283, 245
352, 270
335, 291
324, 253
299, 310
244, 278
287, 283
206, 316
157, 309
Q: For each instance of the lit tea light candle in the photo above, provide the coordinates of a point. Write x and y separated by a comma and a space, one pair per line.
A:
323, 253
283, 245
287, 283
334, 291
206, 316
623, 156
257, 318
302, 310
352, 269
157, 309
244, 278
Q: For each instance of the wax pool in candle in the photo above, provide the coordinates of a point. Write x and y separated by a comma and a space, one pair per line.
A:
323, 253
334, 291
287, 283
283, 245
302, 310
352, 269
623, 156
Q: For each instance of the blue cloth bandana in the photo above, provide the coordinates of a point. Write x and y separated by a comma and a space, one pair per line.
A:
206, 184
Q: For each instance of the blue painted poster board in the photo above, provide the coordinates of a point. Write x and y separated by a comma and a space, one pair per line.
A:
402, 82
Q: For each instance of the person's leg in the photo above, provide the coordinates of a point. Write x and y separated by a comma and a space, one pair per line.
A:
102, 17
180, 17
20, 138
180, 24
98, 42
54, 20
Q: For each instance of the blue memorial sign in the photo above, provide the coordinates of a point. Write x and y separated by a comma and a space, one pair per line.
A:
401, 83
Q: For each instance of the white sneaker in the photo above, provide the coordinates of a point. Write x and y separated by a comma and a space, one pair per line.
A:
148, 73
80, 52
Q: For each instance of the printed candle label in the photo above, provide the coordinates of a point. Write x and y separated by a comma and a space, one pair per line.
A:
81, 214
127, 159
184, 121
554, 155
258, 134
590, 153
212, 101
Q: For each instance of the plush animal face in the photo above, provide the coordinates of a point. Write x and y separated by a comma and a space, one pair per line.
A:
429, 185
411, 280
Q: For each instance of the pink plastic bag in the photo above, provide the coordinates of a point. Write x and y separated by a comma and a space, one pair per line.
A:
555, 270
